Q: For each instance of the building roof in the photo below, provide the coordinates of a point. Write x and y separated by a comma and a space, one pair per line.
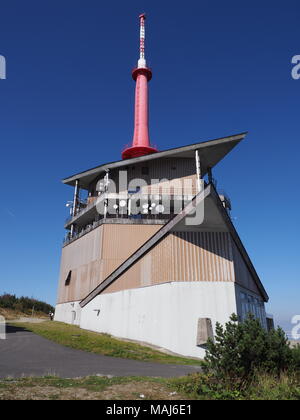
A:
210, 198
211, 152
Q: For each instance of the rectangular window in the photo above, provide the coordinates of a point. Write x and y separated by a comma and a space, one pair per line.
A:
68, 279
250, 304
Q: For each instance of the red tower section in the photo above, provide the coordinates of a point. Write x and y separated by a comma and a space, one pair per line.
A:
142, 75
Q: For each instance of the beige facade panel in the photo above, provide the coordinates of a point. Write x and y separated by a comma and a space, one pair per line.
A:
97, 254
182, 256
120, 241
78, 257
166, 169
180, 186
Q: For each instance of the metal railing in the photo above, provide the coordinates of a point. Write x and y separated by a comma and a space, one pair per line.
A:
153, 194
83, 207
132, 219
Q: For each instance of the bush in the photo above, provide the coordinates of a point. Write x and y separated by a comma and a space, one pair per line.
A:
263, 387
24, 304
242, 349
296, 357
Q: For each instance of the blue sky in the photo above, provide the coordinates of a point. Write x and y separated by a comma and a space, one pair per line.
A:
219, 68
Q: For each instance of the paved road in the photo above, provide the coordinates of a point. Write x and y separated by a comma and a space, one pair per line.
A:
26, 354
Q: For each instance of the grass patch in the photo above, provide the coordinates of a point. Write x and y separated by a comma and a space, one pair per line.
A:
192, 387
76, 338
91, 388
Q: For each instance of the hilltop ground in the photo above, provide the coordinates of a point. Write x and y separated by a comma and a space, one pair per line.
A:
12, 314
107, 387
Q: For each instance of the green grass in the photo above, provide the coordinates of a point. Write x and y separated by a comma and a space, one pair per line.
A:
94, 388
91, 383
76, 338
192, 387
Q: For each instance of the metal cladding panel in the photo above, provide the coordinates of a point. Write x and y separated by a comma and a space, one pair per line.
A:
97, 254
76, 257
170, 169
182, 256
203, 256
242, 274
120, 241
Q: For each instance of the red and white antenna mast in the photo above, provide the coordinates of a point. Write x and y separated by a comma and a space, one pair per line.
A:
142, 61
141, 74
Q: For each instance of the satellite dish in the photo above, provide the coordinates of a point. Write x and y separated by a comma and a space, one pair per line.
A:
115, 206
123, 203
160, 208
145, 206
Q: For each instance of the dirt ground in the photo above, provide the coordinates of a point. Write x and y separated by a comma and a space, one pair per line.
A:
129, 391
11, 315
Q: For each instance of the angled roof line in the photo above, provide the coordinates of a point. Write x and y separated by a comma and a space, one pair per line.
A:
165, 153
239, 243
158, 236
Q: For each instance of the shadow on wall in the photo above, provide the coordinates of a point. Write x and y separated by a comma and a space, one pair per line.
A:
218, 243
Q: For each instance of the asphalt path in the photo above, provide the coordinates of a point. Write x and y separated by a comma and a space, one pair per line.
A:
24, 353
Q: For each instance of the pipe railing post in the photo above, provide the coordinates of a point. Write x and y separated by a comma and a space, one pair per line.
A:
198, 170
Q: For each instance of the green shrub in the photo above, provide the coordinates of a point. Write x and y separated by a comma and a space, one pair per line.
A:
24, 304
296, 357
240, 350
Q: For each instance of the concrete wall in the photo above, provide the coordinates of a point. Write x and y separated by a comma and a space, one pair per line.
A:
70, 313
159, 300
165, 315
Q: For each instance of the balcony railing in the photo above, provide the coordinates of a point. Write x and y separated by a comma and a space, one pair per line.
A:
156, 195
125, 219
82, 208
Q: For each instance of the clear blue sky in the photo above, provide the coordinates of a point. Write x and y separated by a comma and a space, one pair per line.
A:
67, 105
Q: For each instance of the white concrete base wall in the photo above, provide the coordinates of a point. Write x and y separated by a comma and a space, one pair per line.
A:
165, 315
68, 312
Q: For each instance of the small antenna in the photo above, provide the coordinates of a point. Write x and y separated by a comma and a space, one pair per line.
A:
142, 60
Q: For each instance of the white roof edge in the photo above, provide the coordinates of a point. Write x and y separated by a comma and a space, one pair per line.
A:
165, 153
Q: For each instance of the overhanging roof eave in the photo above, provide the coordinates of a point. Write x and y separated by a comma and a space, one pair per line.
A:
206, 147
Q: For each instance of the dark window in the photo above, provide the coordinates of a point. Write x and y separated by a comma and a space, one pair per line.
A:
145, 170
68, 279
